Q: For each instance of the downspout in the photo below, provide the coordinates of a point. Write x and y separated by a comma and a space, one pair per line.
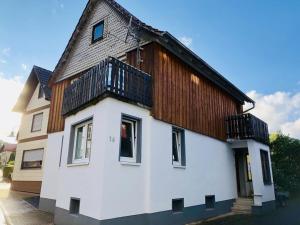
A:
253, 106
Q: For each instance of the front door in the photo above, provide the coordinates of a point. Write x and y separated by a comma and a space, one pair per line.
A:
243, 173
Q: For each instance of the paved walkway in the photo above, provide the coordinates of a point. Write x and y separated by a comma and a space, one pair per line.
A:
16, 211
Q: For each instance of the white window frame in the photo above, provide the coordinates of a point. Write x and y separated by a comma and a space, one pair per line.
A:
84, 125
134, 124
178, 139
33, 122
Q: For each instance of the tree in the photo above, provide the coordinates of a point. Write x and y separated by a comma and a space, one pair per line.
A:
285, 153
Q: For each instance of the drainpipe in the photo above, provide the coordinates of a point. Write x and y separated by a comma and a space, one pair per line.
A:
253, 106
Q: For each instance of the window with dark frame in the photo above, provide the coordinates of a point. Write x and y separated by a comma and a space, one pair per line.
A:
98, 31
210, 201
130, 139
41, 92
177, 205
265, 164
32, 159
37, 121
249, 172
178, 147
74, 206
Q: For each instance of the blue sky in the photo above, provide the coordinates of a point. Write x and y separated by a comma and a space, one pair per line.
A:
255, 44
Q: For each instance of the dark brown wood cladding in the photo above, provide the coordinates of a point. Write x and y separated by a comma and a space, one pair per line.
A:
183, 97
26, 186
56, 121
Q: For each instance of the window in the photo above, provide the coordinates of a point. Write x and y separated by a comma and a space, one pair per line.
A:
81, 142
74, 206
37, 122
32, 159
178, 147
210, 201
249, 172
98, 31
41, 92
177, 205
130, 140
265, 166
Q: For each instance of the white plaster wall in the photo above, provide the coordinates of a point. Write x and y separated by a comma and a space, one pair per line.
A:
26, 123
209, 169
109, 189
51, 166
28, 174
36, 102
259, 188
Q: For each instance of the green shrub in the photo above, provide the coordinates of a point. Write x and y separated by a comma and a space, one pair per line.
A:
7, 171
12, 156
11, 163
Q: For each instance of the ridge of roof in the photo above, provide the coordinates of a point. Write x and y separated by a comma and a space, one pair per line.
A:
214, 75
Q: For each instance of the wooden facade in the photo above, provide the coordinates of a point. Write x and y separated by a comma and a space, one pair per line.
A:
183, 97
56, 121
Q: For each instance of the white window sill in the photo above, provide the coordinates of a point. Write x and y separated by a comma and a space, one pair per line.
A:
78, 164
129, 163
179, 167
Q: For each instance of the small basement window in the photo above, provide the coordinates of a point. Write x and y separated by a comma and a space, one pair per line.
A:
210, 201
74, 206
130, 140
265, 167
177, 205
32, 159
178, 147
98, 30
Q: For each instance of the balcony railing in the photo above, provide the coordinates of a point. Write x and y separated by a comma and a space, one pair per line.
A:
110, 77
247, 126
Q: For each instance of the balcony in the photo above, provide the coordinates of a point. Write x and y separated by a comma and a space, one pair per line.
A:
110, 77
247, 126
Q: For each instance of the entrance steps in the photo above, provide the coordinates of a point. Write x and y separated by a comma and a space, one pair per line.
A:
242, 206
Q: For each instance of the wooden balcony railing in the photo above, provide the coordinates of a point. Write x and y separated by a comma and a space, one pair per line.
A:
247, 126
110, 77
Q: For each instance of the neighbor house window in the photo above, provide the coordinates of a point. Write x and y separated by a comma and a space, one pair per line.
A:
41, 92
98, 31
265, 166
178, 147
130, 140
81, 135
32, 159
37, 121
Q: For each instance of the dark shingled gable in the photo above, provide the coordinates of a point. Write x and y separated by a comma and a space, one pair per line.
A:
37, 75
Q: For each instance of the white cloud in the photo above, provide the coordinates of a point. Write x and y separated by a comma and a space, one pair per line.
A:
281, 110
6, 51
24, 66
3, 61
187, 41
62, 5
10, 89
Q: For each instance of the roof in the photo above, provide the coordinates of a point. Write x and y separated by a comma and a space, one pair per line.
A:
167, 40
8, 147
37, 75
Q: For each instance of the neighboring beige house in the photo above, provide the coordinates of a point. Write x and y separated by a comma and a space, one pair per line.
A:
34, 104
5, 151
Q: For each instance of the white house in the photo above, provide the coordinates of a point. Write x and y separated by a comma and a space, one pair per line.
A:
142, 131
34, 104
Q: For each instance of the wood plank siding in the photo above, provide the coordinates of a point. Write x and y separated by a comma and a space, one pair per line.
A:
183, 97
56, 121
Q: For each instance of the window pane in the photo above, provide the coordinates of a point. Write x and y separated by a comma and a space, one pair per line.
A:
98, 31
175, 146
88, 140
78, 151
37, 122
41, 92
127, 139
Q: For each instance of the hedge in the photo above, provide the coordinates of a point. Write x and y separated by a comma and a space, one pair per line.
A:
7, 171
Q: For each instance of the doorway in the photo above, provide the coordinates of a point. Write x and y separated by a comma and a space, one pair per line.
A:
243, 173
